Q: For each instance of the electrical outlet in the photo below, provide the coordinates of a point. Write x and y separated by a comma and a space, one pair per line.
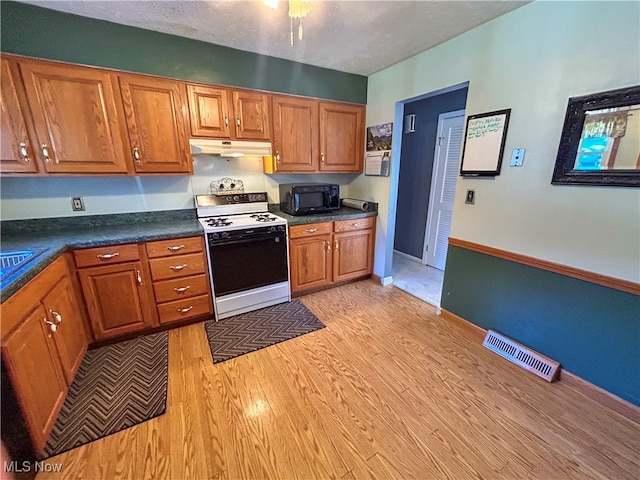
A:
77, 204
471, 197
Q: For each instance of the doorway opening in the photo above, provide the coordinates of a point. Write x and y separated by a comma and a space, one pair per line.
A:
429, 165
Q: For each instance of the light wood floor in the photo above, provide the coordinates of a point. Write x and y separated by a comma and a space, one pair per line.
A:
387, 390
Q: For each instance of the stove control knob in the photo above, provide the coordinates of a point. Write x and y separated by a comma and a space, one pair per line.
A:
215, 236
281, 228
225, 235
236, 198
272, 229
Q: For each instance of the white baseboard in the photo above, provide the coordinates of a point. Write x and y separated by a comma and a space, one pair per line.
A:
386, 280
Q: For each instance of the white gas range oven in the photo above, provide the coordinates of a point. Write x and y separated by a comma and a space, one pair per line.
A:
247, 250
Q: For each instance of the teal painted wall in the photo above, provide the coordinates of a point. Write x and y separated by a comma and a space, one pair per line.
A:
40, 32
593, 331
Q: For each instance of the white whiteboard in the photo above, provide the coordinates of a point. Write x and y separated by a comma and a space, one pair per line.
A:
484, 143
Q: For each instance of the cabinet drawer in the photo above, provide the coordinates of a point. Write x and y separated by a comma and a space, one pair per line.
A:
184, 309
181, 288
310, 229
178, 266
90, 257
354, 224
176, 246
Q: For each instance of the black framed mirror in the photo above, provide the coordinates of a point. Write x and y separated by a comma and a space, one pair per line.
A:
600, 142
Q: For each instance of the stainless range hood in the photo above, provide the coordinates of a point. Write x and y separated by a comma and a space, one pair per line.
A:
229, 148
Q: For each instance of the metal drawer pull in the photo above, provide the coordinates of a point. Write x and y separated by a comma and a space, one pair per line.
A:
328, 246
56, 316
226, 121
238, 121
355, 224
23, 152
337, 245
185, 310
138, 277
182, 290
107, 256
177, 268
322, 157
176, 248
311, 230
52, 326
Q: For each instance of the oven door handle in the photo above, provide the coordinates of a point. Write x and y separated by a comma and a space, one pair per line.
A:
245, 240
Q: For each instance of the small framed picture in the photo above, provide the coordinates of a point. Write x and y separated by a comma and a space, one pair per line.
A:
484, 143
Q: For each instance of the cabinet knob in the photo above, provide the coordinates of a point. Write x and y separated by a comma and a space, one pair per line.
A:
185, 310
175, 248
45, 153
56, 316
22, 149
136, 155
52, 326
107, 256
355, 224
177, 268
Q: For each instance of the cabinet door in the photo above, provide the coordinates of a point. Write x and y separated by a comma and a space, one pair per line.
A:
16, 148
310, 259
75, 118
70, 337
251, 110
119, 299
32, 363
156, 113
341, 137
352, 254
209, 111
295, 134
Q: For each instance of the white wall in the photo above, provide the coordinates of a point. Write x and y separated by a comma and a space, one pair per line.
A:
530, 60
51, 197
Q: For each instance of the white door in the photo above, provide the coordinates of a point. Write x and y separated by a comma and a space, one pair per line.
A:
443, 185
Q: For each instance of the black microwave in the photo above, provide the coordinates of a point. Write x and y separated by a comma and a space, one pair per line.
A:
309, 198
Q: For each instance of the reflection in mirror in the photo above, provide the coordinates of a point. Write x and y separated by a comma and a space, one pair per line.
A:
610, 139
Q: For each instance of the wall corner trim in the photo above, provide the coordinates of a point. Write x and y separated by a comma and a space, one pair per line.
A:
597, 278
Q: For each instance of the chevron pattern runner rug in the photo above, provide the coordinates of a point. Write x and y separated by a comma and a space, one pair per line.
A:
252, 331
116, 387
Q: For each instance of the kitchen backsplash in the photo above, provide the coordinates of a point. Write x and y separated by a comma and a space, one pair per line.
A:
46, 197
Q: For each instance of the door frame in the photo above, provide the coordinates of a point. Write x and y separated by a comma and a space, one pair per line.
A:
434, 178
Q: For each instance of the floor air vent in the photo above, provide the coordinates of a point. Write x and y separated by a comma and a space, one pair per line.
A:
522, 356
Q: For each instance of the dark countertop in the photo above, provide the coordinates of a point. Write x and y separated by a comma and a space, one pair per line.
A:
343, 213
53, 236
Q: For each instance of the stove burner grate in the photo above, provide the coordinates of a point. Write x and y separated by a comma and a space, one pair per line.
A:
219, 222
263, 217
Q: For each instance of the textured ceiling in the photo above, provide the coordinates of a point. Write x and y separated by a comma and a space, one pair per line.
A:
360, 37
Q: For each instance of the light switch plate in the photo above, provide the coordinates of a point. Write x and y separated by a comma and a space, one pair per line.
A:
517, 157
471, 197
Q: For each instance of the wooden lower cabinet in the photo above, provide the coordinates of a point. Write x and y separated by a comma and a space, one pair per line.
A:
180, 279
43, 342
321, 254
117, 289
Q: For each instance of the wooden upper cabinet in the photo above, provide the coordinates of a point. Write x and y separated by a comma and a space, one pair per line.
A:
295, 134
209, 111
156, 117
251, 111
16, 146
223, 113
75, 117
341, 137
